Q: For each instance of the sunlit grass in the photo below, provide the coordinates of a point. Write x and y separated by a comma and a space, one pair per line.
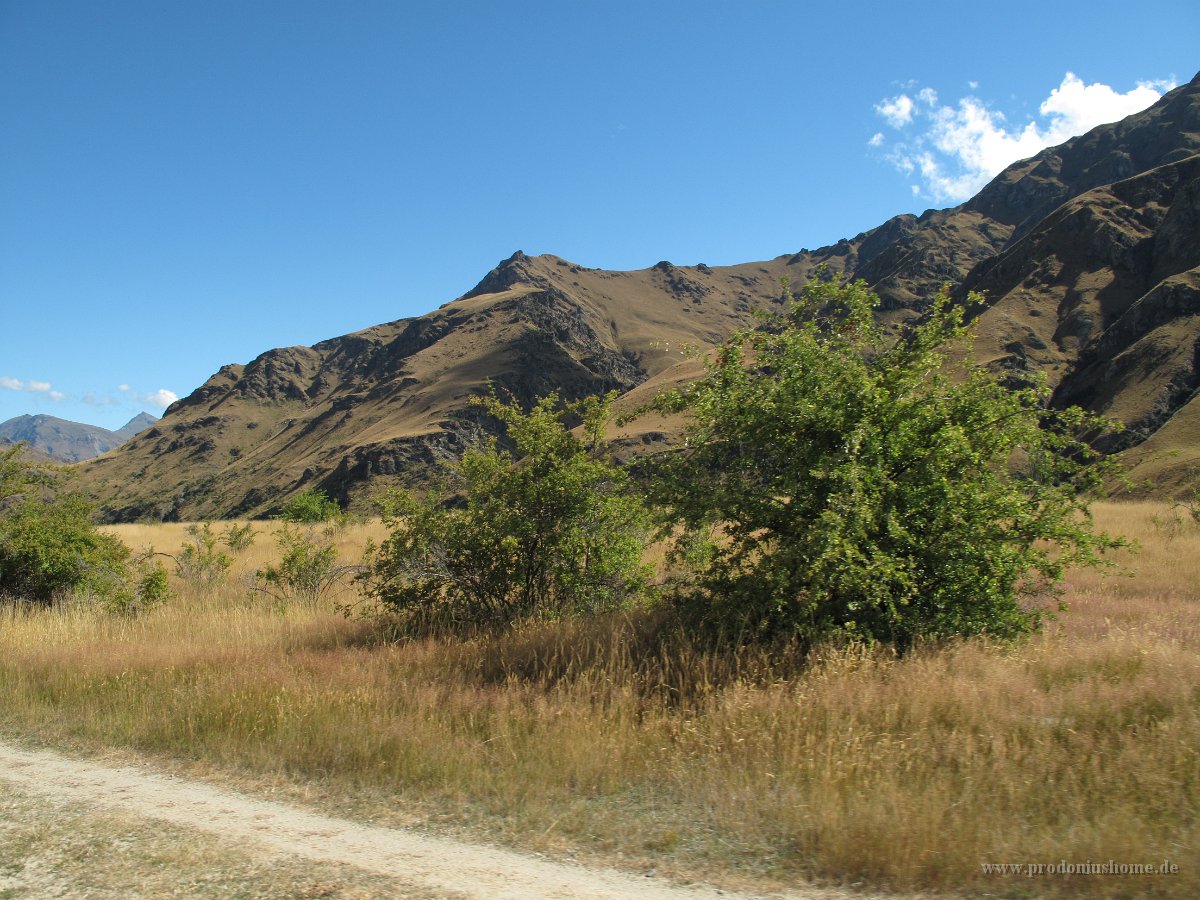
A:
619, 738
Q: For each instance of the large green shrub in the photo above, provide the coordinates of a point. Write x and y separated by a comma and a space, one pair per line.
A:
550, 529
838, 484
50, 547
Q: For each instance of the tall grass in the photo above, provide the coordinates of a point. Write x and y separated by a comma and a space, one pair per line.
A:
620, 738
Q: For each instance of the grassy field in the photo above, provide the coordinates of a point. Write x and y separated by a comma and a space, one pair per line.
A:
619, 741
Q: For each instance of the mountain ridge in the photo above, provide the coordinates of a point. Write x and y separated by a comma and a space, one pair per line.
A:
68, 442
1081, 273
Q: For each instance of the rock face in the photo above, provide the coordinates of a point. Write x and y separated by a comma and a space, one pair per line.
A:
1119, 268
64, 441
1088, 254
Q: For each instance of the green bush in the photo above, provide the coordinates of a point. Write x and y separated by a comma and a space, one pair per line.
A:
238, 538
200, 562
308, 567
146, 586
49, 546
311, 507
837, 484
550, 529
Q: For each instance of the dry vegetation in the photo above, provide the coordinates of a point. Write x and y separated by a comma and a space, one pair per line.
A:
618, 740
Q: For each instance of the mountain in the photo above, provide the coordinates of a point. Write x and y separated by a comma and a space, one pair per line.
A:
59, 439
65, 441
1088, 254
137, 424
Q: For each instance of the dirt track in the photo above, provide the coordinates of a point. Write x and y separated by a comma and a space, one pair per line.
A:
443, 866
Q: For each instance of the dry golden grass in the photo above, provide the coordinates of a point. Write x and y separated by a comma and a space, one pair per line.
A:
619, 740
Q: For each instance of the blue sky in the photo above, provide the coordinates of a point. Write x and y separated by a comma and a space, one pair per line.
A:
188, 184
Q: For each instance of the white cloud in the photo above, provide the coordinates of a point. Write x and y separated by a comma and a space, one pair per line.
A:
32, 387
162, 398
1076, 107
965, 145
123, 388
896, 111
876, 139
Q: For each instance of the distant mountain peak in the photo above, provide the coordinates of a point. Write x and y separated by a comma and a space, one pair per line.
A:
61, 439
138, 423
67, 441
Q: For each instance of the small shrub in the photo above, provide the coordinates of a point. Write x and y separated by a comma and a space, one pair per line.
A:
146, 587
1190, 506
239, 538
153, 587
311, 507
201, 562
549, 530
1182, 516
308, 567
